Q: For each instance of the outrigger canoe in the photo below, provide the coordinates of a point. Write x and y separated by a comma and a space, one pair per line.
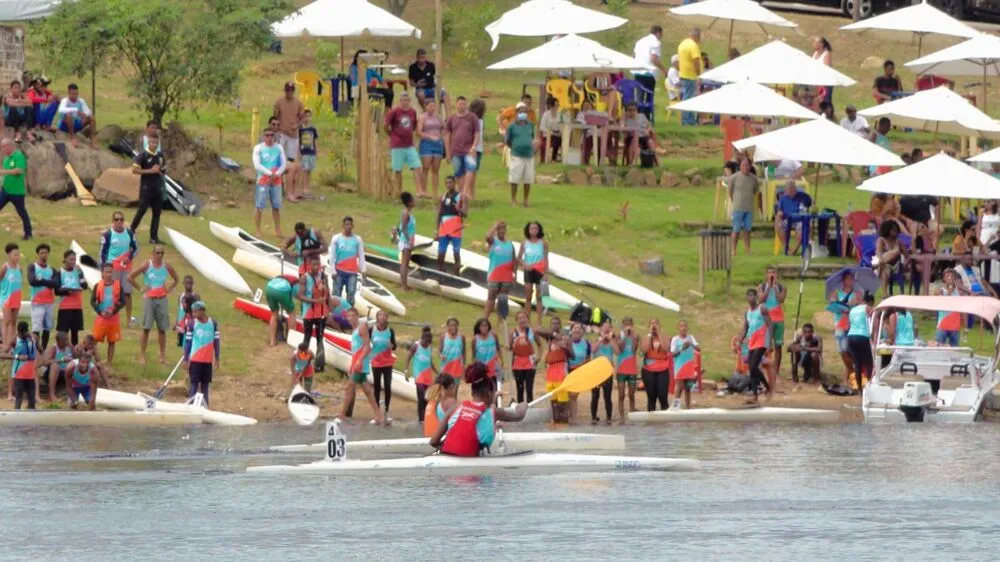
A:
95, 418
722, 415
116, 400
553, 441
429, 280
209, 264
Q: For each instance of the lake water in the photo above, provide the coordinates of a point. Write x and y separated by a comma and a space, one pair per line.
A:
766, 492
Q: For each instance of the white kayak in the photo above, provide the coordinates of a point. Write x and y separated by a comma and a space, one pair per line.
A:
534, 441
270, 268
116, 400
372, 291
340, 359
302, 406
95, 418
470, 258
211, 265
430, 280
763, 414
583, 274
91, 269
527, 462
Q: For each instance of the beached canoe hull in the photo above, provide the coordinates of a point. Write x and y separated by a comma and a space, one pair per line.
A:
210, 265
429, 280
723, 415
116, 400
302, 407
523, 441
538, 463
95, 418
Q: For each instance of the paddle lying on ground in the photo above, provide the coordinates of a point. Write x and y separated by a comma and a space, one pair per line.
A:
163, 389
583, 378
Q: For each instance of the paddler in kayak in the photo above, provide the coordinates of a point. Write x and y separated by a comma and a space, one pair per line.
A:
581, 354
81, 382
687, 364
656, 367
525, 350
557, 356
453, 350
441, 397
306, 243
604, 347
503, 266
471, 425
534, 260
626, 344
301, 365
360, 367
383, 339
486, 346
280, 294
422, 358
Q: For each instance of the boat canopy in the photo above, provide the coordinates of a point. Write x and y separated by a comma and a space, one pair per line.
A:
983, 307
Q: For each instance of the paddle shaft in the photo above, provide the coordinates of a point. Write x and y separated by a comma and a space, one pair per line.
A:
162, 390
806, 258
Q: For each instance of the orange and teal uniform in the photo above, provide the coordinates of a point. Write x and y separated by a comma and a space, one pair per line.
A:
501, 262
776, 312
451, 356
487, 353
107, 297
949, 324
304, 364
451, 219
381, 341
422, 365
556, 368
347, 254
70, 284
757, 334
155, 281
523, 350
534, 256
627, 366
10, 288
42, 294
361, 360
24, 369
687, 362
314, 289
581, 353
309, 242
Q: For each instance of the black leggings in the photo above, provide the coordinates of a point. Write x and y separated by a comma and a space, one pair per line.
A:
595, 395
318, 325
421, 401
657, 384
380, 374
150, 198
861, 351
24, 388
757, 376
524, 380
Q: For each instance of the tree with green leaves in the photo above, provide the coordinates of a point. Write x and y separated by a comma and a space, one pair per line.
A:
174, 54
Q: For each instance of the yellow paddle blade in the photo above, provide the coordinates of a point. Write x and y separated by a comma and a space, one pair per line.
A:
587, 376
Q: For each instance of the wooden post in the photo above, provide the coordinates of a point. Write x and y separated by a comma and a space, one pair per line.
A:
364, 134
438, 46
254, 127
372, 175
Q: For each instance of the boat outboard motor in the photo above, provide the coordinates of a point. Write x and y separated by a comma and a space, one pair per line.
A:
917, 400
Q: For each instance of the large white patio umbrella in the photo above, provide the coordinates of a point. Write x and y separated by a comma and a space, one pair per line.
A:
939, 110
940, 176
25, 10
979, 56
778, 63
571, 52
542, 18
739, 15
914, 22
990, 156
745, 98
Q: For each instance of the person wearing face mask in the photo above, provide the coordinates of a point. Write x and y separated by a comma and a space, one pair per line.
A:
520, 139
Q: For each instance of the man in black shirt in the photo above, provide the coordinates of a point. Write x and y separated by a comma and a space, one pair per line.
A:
150, 165
422, 73
806, 351
922, 212
886, 84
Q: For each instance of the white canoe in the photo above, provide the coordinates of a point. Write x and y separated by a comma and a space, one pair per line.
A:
764, 414
116, 400
583, 274
481, 262
430, 280
370, 290
95, 418
530, 462
89, 266
340, 359
524, 441
302, 406
211, 265
270, 268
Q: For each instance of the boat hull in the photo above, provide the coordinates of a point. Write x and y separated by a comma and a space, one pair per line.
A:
211, 265
533, 441
429, 281
303, 413
722, 415
95, 418
116, 400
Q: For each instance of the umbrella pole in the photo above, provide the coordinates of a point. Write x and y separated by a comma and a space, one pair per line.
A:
920, 43
729, 44
984, 88
816, 199
341, 55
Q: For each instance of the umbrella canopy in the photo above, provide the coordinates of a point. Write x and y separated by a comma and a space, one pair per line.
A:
745, 98
979, 56
988, 156
819, 141
733, 15
542, 18
914, 22
941, 176
864, 279
778, 63
939, 110
24, 10
571, 52
343, 18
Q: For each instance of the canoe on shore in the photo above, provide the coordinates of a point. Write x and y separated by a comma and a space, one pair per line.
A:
550, 441
117, 400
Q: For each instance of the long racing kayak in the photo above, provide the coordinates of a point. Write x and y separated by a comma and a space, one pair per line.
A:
116, 400
91, 269
372, 291
95, 418
536, 441
211, 265
527, 462
429, 280
722, 415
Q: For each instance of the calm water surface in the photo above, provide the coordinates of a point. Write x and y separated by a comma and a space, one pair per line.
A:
766, 492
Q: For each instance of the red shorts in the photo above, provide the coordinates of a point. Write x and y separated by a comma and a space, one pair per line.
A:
107, 328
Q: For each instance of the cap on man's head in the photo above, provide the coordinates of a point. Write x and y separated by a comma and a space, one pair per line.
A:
521, 105
289, 86
199, 305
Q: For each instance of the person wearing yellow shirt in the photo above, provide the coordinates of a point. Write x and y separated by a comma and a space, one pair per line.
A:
689, 67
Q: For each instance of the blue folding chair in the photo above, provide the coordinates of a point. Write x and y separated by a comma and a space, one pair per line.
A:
634, 92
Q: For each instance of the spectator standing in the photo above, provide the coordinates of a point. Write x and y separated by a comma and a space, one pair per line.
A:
689, 68
270, 162
118, 248
19, 112
429, 127
307, 152
72, 283
647, 50
151, 167
155, 304
460, 135
347, 256
743, 189
152, 130
509, 114
823, 52
520, 139
290, 112
43, 282
854, 122
15, 169
422, 76
107, 300
887, 84
452, 211
74, 115
44, 104
400, 123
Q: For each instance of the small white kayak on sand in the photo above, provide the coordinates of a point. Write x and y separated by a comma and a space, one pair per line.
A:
723, 415
95, 418
535, 441
303, 408
116, 400
211, 265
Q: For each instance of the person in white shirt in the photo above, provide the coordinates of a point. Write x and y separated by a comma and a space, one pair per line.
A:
74, 115
674, 79
550, 124
647, 50
789, 169
855, 123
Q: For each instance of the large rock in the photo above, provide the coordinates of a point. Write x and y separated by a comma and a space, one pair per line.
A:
670, 179
649, 178
117, 186
634, 178
576, 177
47, 175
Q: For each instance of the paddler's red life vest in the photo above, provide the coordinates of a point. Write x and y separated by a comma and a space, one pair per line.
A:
657, 358
462, 439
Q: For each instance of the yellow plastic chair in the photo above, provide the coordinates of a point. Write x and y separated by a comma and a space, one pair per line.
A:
595, 98
771, 193
307, 83
569, 95
674, 95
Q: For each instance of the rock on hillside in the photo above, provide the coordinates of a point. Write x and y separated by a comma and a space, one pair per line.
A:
47, 175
